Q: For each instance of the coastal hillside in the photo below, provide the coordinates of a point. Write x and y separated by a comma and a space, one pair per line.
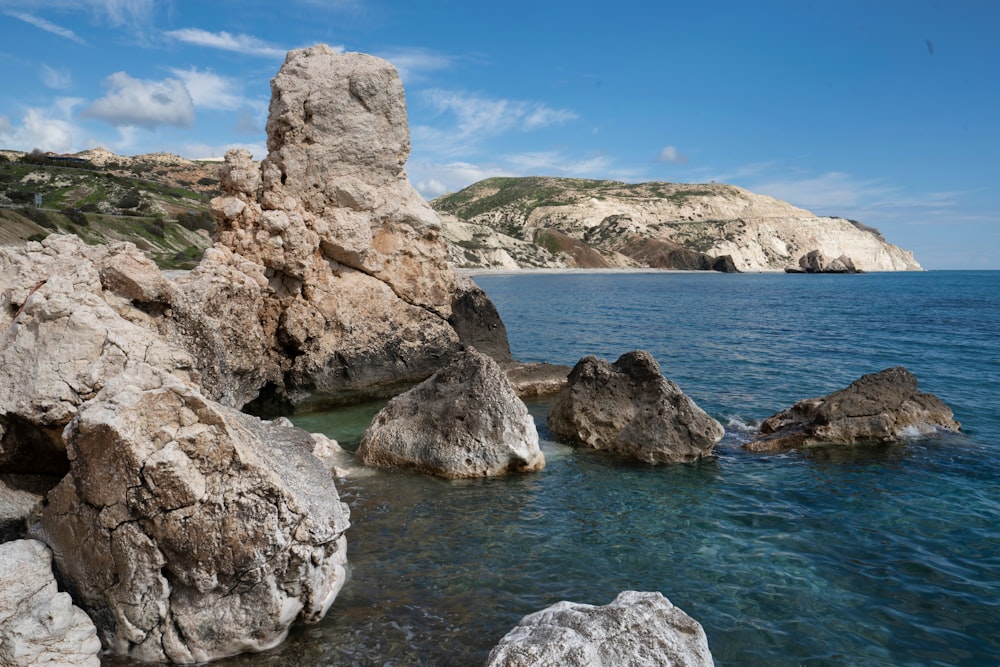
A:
159, 201
563, 222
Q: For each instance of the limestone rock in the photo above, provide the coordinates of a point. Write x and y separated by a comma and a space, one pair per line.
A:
20, 497
464, 421
490, 222
65, 334
188, 530
537, 379
635, 630
38, 624
360, 297
816, 262
877, 408
629, 408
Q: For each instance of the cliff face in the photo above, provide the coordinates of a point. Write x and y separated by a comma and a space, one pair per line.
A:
666, 225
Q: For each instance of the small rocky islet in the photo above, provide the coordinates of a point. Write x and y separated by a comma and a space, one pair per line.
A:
184, 529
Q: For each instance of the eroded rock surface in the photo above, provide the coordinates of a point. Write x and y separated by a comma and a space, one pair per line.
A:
361, 295
463, 421
877, 408
635, 630
629, 408
188, 530
38, 624
816, 262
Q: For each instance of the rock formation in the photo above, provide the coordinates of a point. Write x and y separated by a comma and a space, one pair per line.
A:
635, 630
463, 421
38, 624
360, 297
877, 408
20, 497
191, 531
629, 408
816, 262
496, 222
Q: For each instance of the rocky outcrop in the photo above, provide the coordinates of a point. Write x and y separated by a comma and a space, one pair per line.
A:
816, 262
629, 408
463, 421
635, 630
20, 497
188, 530
38, 624
360, 297
650, 224
877, 408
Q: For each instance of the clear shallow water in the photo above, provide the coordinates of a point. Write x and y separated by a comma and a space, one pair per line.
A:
864, 556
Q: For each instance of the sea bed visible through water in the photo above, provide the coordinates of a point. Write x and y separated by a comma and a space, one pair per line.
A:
876, 555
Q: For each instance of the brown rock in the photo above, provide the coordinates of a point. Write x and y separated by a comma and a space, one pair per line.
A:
877, 408
629, 408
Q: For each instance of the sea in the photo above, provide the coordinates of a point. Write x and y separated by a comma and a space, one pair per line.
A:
866, 555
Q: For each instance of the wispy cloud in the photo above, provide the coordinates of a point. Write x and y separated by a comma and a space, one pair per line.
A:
245, 44
47, 26
476, 118
58, 79
209, 90
143, 103
413, 63
671, 155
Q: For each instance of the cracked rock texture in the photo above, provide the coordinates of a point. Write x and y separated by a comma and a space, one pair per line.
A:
38, 624
191, 531
877, 408
629, 408
360, 294
635, 630
464, 421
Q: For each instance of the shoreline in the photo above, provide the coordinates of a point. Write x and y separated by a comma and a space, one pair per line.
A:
561, 271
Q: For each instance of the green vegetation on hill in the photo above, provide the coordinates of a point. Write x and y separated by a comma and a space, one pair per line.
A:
144, 203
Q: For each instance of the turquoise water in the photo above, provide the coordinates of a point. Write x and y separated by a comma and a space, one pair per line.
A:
861, 556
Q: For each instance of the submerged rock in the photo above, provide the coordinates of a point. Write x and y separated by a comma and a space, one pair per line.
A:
38, 624
635, 630
877, 408
188, 530
464, 421
629, 408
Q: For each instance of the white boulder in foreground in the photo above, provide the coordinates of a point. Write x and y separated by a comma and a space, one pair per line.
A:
38, 624
635, 630
463, 421
629, 408
188, 530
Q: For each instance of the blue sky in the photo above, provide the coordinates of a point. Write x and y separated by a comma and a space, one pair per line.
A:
885, 112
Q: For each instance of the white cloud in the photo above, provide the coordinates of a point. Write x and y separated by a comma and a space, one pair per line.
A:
671, 155
209, 90
47, 129
47, 26
225, 41
413, 63
58, 79
143, 103
830, 191
433, 180
477, 118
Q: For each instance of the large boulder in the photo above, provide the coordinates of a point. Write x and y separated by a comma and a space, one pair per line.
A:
38, 624
815, 261
635, 630
629, 408
463, 421
361, 299
877, 408
188, 530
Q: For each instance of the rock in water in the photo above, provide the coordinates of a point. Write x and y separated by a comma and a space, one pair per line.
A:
635, 630
463, 421
360, 294
191, 531
877, 408
629, 408
38, 624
